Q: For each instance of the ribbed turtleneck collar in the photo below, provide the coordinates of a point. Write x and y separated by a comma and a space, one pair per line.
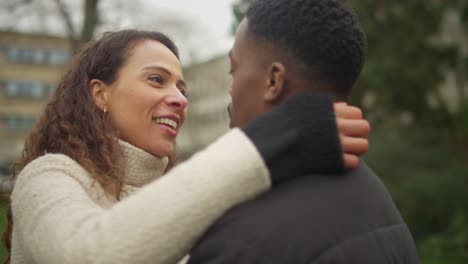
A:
140, 166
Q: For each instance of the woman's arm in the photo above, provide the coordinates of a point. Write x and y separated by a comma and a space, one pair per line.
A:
57, 222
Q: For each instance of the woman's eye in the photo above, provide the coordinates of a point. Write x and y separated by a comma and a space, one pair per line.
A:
156, 78
183, 92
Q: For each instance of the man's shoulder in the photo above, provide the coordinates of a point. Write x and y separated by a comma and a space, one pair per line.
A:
310, 199
310, 214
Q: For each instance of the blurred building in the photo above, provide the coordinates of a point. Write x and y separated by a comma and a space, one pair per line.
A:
207, 118
30, 66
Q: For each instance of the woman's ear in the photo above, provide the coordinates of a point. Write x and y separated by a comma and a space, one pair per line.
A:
100, 93
277, 82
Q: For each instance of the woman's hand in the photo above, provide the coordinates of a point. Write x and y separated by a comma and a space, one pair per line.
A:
353, 132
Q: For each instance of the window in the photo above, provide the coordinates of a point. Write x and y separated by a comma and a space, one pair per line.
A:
13, 53
16, 123
35, 90
37, 56
58, 57
11, 88
26, 55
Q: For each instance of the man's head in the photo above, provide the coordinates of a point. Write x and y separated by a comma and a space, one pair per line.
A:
285, 47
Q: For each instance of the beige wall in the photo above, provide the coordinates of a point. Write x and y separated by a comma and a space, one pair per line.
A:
207, 118
11, 140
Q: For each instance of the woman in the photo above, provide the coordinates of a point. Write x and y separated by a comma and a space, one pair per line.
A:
86, 191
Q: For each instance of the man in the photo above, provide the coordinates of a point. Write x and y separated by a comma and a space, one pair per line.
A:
284, 48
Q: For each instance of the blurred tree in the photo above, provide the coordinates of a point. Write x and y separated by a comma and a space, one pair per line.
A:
76, 32
81, 20
239, 8
90, 21
412, 52
428, 179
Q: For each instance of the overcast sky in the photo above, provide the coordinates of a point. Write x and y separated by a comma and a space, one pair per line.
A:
213, 16
201, 28
216, 15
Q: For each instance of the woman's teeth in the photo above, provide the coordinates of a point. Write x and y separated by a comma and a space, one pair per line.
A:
166, 121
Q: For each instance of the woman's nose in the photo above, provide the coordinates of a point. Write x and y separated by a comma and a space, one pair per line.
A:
177, 100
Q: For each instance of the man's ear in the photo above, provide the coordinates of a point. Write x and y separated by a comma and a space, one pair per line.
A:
100, 93
277, 82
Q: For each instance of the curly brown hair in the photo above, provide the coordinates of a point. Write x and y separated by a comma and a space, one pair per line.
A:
73, 125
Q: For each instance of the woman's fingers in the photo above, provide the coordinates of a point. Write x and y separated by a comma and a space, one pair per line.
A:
351, 161
344, 110
353, 127
355, 146
353, 130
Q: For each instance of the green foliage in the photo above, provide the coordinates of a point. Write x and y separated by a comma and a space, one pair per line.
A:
462, 118
239, 8
452, 242
3, 224
428, 178
424, 164
404, 65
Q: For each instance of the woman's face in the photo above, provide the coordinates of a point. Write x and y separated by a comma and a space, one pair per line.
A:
146, 103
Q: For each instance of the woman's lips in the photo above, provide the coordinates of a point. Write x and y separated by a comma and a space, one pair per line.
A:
167, 129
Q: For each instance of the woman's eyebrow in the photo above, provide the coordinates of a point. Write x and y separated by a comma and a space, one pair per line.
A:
168, 72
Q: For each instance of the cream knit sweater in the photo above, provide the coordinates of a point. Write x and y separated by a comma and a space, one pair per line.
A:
62, 216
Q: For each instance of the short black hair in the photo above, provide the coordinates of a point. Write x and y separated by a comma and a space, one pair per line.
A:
325, 35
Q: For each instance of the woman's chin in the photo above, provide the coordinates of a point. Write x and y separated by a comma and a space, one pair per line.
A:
162, 151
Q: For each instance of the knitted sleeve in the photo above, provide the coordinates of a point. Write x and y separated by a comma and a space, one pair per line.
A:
55, 220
